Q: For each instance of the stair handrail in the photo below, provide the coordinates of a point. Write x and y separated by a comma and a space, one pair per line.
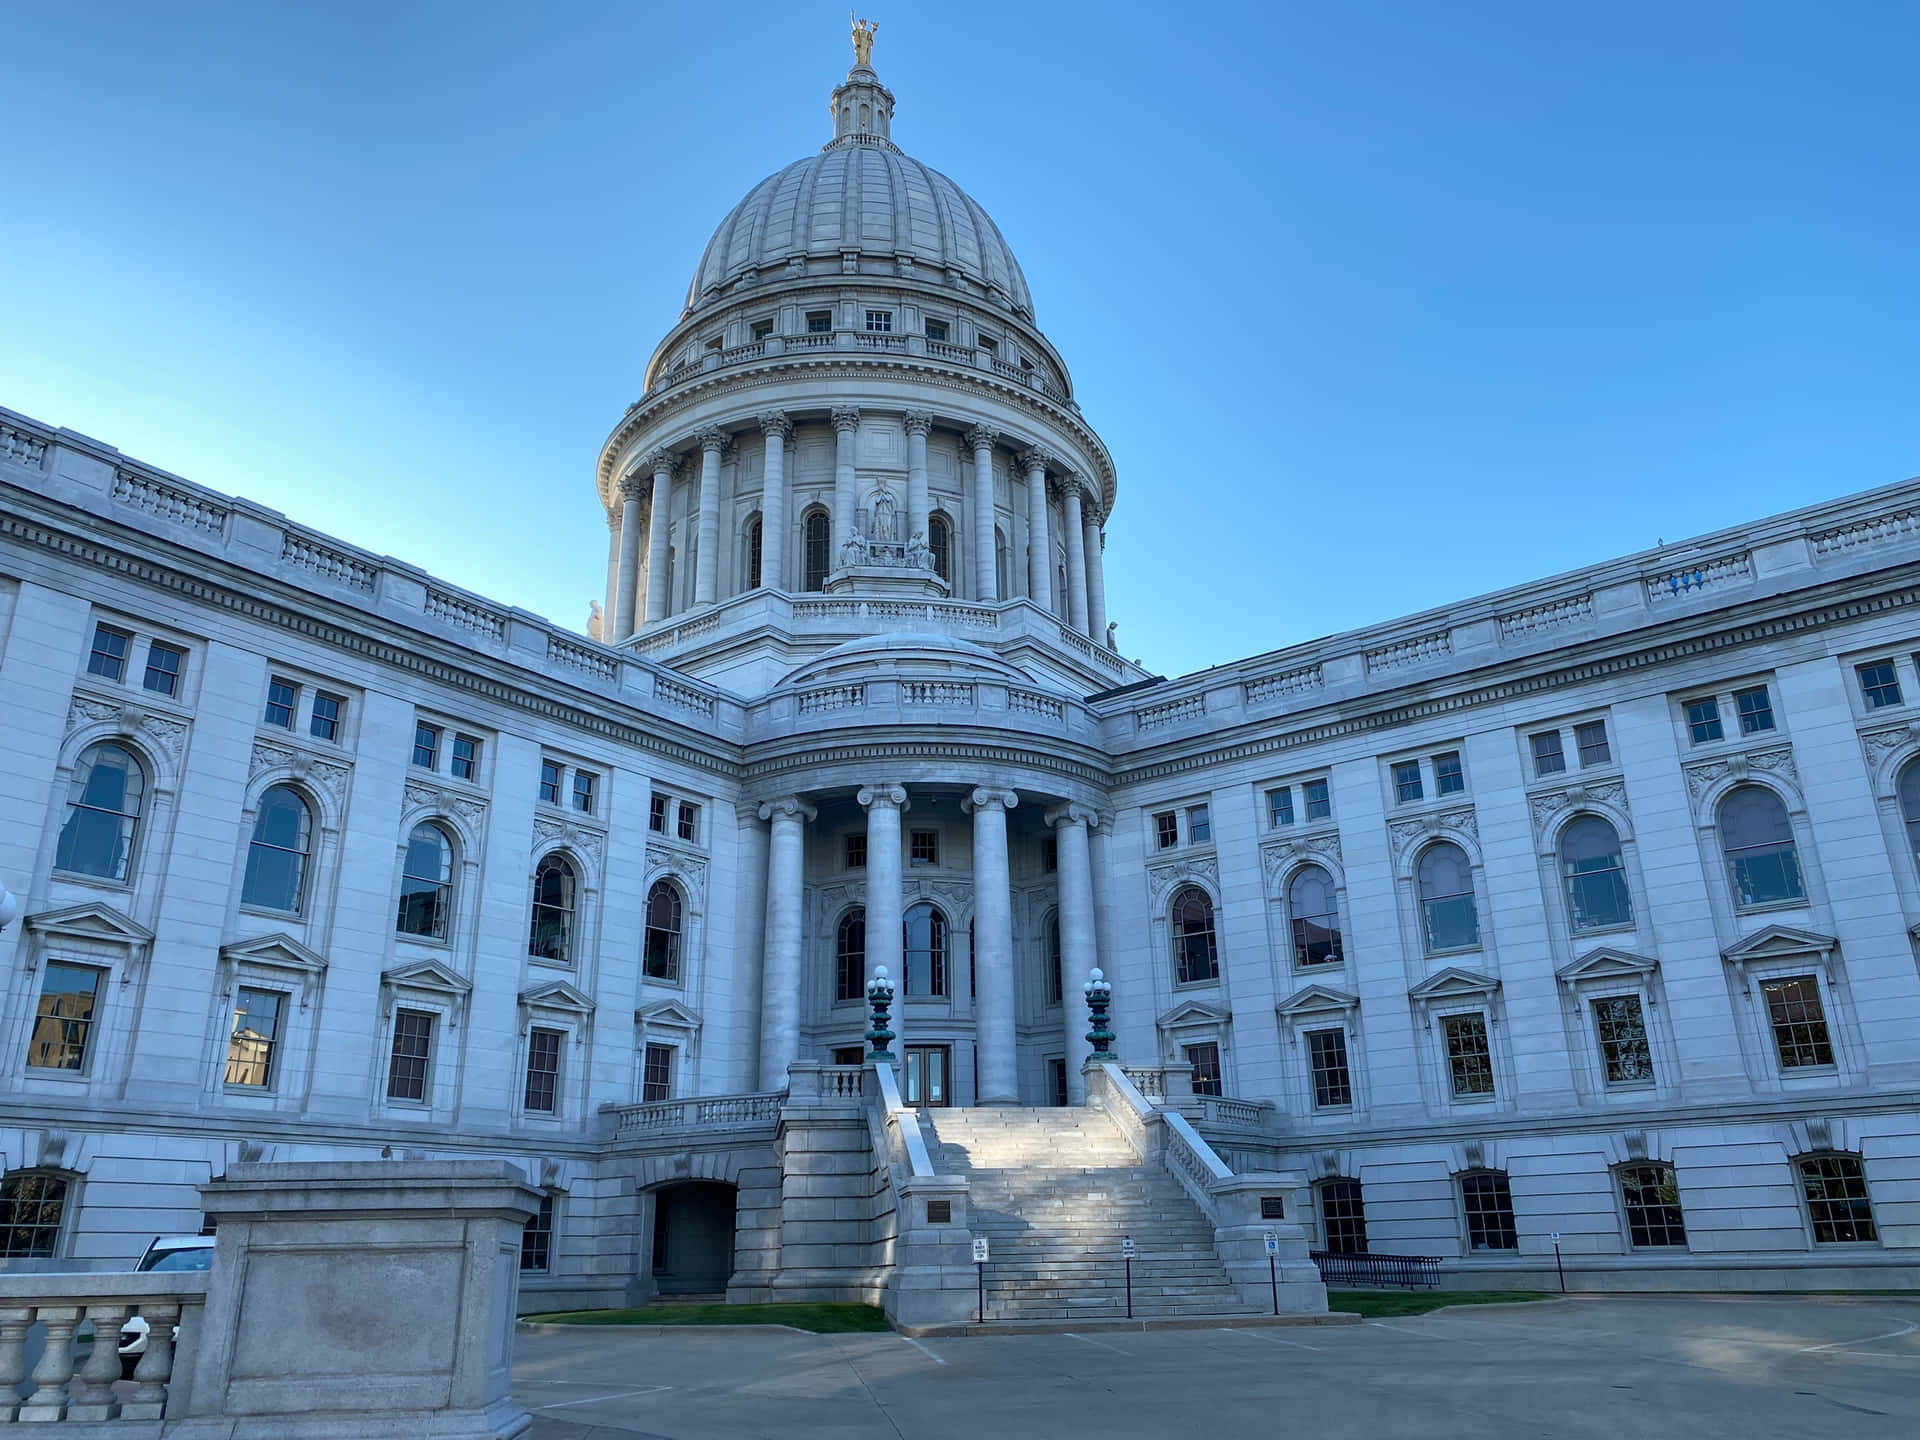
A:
903, 1121
1158, 1132
1193, 1163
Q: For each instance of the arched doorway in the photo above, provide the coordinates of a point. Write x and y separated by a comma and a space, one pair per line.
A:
693, 1238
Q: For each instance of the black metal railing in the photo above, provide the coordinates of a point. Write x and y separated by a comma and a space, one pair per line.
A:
1405, 1271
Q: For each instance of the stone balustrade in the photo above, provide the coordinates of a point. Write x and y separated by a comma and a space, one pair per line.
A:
62, 1305
693, 1115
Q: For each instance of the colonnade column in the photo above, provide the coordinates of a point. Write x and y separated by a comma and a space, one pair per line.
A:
993, 949
1079, 951
773, 501
846, 425
1076, 555
986, 586
659, 522
919, 508
884, 805
1096, 576
706, 571
632, 489
780, 985
608, 633
1039, 543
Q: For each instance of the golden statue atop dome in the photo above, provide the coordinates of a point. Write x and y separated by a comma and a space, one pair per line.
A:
863, 33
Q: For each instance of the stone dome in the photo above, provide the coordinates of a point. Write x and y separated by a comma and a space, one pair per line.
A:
861, 196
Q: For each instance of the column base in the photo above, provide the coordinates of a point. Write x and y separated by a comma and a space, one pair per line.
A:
1003, 1100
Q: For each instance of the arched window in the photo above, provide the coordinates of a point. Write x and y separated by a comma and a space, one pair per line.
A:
850, 956
925, 943
32, 1205
1910, 804
819, 538
1343, 1216
1757, 838
277, 858
1448, 917
1195, 955
554, 886
103, 812
1596, 880
1001, 577
940, 541
1056, 988
1316, 917
426, 883
754, 532
663, 932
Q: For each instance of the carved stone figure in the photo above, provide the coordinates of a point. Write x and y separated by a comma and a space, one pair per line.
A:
596, 622
1112, 644
854, 553
919, 553
881, 531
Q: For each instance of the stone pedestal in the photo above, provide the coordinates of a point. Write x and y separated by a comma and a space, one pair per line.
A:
933, 1280
1239, 1238
893, 582
368, 1300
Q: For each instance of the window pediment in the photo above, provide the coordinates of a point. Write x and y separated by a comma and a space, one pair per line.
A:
557, 997
1453, 983
1779, 942
1606, 964
1317, 1000
276, 952
1194, 1012
94, 921
428, 980
667, 1014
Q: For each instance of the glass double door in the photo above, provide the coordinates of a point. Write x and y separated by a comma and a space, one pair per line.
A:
927, 1075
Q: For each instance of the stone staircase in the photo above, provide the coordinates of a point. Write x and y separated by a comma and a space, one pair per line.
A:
1054, 1191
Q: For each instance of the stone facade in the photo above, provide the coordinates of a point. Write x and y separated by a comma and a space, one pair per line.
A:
1583, 909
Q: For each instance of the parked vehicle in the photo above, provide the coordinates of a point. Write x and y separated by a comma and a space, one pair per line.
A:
166, 1252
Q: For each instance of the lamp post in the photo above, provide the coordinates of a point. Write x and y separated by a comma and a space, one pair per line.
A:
1099, 995
9, 908
880, 997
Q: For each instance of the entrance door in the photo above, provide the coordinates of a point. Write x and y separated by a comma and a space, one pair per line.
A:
927, 1075
849, 1055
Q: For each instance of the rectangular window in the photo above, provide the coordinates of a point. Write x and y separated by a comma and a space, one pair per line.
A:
1166, 830
1756, 710
1469, 1064
1591, 738
63, 1026
549, 782
163, 668
412, 1055
1199, 825
536, 1237
282, 699
1548, 757
1332, 1082
1703, 720
109, 657
1280, 806
255, 1038
880, 322
1651, 1195
819, 322
1343, 1216
762, 330
856, 852
936, 330
657, 814
31, 1208
426, 746
923, 847
1799, 1022
543, 1070
583, 782
325, 724
656, 1081
689, 821
466, 757
989, 344
1448, 777
1488, 1201
1622, 1030
1205, 1060
1406, 782
1878, 684
1319, 800
1837, 1203
1049, 854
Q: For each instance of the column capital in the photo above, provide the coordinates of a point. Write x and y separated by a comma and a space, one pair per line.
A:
986, 799
1071, 813
775, 422
918, 422
1069, 486
614, 517
983, 437
1038, 457
788, 805
846, 418
634, 488
713, 440
884, 797
662, 462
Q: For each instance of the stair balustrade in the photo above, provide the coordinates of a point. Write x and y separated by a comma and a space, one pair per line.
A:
61, 1305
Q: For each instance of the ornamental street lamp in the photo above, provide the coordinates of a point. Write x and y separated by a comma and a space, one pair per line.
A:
1099, 996
880, 997
9, 908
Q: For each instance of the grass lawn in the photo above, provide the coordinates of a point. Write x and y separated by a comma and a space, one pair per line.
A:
820, 1319
1379, 1304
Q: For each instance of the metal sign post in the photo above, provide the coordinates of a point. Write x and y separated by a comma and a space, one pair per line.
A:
1555, 1237
980, 1271
1273, 1279
1126, 1254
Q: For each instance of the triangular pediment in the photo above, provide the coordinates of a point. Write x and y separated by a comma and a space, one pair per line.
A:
1779, 942
280, 951
1194, 1012
1317, 998
557, 995
1453, 981
95, 920
1607, 963
668, 1012
427, 975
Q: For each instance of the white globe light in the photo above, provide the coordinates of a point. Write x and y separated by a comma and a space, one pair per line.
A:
9, 907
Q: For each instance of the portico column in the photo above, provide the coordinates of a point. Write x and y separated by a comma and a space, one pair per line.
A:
1079, 952
773, 501
780, 969
884, 805
706, 571
607, 631
1096, 576
846, 425
919, 508
1039, 544
1076, 556
993, 949
632, 495
659, 522
986, 586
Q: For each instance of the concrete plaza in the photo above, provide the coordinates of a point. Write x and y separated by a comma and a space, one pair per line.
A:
1608, 1368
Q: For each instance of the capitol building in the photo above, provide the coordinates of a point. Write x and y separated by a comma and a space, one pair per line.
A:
1580, 919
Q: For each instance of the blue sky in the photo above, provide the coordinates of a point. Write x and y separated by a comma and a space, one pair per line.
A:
1377, 306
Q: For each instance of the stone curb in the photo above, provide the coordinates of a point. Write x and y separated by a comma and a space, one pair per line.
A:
530, 1327
1095, 1327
